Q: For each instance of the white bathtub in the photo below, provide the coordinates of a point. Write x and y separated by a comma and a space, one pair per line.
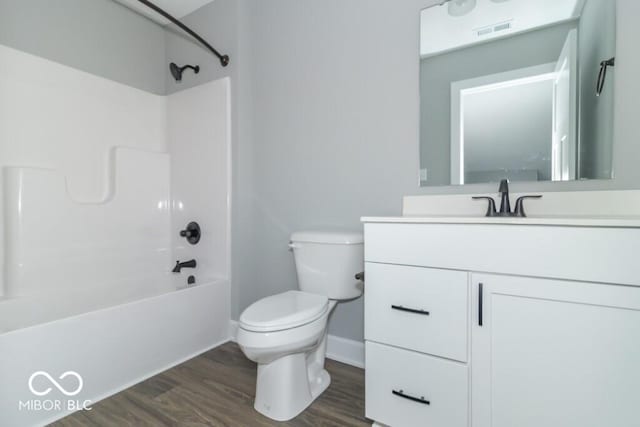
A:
111, 339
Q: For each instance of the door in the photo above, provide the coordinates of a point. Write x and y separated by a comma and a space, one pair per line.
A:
564, 135
554, 353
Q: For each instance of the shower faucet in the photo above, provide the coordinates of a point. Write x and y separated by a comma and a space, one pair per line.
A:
180, 265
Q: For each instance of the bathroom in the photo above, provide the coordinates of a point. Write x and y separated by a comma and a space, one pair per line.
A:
322, 132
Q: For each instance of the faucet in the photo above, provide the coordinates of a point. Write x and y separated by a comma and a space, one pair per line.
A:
180, 265
505, 204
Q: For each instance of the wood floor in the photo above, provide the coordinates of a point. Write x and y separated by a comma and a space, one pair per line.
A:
217, 389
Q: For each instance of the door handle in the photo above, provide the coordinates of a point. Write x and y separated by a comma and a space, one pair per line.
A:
602, 75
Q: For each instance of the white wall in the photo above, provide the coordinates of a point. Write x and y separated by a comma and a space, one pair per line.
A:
74, 221
54, 116
88, 189
199, 126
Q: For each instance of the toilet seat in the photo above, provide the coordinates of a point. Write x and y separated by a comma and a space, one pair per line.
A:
283, 311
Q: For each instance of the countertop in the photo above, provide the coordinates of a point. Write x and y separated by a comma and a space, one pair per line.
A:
608, 222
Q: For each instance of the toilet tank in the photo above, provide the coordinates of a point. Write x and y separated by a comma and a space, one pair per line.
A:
327, 261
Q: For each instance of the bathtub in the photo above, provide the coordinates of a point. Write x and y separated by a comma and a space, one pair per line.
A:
109, 338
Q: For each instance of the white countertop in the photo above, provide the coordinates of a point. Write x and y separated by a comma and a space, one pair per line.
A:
611, 222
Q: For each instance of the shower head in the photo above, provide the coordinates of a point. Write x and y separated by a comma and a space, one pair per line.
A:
176, 71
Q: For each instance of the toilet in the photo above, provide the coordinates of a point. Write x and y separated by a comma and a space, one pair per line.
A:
286, 334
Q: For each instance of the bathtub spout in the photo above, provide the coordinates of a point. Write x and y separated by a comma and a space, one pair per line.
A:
180, 265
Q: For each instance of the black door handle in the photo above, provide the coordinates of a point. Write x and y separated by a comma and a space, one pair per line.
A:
410, 310
602, 75
402, 394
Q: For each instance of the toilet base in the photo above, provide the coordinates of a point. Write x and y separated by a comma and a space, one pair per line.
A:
283, 390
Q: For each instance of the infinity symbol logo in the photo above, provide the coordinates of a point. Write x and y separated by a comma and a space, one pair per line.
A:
55, 383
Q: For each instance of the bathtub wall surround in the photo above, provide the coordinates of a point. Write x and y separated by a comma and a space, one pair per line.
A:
79, 135
97, 180
199, 133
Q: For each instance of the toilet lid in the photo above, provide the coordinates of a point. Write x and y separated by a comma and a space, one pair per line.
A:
283, 311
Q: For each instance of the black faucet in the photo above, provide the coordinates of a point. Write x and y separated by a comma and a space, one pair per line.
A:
180, 265
505, 204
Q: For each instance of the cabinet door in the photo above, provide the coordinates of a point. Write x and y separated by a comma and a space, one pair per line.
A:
554, 353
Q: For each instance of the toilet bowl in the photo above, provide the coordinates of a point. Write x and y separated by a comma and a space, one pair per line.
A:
286, 334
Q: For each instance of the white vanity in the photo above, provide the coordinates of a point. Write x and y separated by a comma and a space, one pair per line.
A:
490, 322
514, 322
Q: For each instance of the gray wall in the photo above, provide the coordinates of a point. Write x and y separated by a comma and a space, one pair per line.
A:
334, 118
438, 72
101, 37
315, 116
216, 22
596, 42
508, 132
327, 128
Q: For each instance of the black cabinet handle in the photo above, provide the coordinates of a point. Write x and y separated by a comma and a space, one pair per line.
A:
480, 286
410, 310
401, 393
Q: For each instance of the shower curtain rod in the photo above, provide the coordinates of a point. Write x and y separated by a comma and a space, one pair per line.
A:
224, 59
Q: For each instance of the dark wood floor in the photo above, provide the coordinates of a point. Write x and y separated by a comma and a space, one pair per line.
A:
217, 389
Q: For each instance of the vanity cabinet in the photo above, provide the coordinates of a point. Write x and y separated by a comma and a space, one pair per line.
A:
519, 334
419, 309
554, 353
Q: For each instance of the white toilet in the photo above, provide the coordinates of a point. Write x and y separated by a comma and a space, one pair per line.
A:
286, 334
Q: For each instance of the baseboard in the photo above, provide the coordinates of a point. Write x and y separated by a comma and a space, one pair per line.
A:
340, 349
233, 330
346, 351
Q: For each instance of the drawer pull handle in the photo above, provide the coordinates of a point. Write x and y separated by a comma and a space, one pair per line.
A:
410, 310
421, 399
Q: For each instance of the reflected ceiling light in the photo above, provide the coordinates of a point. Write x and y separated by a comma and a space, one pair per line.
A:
461, 7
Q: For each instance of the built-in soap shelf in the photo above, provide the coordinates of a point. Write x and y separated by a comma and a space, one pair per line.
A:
53, 241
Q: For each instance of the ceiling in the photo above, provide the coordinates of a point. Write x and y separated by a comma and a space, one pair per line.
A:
489, 19
177, 8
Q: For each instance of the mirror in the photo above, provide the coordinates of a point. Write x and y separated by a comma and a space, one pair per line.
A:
516, 89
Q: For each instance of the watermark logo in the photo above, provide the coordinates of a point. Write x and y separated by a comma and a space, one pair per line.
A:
41, 384
55, 383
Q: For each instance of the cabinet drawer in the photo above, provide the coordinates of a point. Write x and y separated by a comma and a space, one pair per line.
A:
404, 388
417, 308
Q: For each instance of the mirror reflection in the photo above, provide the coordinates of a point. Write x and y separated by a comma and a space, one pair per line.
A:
517, 89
